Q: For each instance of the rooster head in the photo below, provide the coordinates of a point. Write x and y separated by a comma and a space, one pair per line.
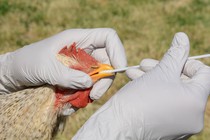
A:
78, 59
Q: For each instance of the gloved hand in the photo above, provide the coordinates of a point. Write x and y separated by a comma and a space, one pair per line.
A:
157, 105
36, 64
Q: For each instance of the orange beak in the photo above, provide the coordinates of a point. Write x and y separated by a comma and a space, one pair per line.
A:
96, 75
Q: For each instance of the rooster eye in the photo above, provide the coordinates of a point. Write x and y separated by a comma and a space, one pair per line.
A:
94, 67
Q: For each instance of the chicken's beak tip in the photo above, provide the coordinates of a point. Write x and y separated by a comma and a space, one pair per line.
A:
96, 75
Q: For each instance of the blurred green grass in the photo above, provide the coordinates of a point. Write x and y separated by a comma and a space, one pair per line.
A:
146, 28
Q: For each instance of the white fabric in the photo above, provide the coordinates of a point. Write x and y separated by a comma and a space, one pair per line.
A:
157, 105
36, 64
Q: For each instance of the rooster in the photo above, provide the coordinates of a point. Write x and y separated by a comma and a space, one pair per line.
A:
35, 113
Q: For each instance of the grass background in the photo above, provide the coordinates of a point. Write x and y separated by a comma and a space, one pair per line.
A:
146, 28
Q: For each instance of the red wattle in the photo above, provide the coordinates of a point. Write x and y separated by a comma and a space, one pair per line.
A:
78, 99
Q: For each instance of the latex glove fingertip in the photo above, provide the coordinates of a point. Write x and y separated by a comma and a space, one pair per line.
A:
134, 73
100, 88
148, 64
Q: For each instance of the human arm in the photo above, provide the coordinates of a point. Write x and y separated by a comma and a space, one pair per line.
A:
157, 105
36, 64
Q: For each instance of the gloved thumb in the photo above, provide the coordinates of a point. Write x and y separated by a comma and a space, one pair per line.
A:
174, 59
148, 64
145, 65
134, 73
69, 78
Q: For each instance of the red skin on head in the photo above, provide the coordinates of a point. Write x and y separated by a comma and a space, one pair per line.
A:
84, 62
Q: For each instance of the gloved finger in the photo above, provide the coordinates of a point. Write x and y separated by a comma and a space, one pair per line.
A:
101, 55
68, 78
199, 76
173, 61
145, 65
114, 48
134, 73
105, 38
100, 87
148, 64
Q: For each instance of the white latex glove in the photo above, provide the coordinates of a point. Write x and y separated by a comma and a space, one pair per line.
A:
157, 105
36, 64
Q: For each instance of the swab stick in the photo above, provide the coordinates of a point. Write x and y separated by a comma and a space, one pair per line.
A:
137, 66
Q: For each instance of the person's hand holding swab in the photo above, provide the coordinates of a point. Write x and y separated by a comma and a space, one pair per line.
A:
158, 104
